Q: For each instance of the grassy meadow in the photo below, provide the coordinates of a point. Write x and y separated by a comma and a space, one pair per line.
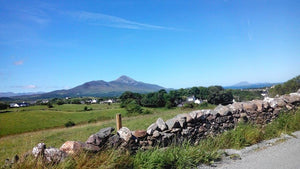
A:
20, 143
33, 118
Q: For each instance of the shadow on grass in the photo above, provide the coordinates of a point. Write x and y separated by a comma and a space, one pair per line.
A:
5, 111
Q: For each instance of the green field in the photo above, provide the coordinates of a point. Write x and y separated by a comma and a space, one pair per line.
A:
20, 143
20, 120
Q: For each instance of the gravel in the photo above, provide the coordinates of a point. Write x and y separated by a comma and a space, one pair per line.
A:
278, 153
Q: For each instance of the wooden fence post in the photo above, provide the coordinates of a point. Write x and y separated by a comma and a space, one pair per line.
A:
119, 121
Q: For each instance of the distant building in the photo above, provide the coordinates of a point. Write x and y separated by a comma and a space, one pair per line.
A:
109, 101
191, 99
197, 101
14, 105
23, 104
45, 101
94, 101
91, 101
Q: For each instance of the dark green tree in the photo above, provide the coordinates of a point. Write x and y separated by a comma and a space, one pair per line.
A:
194, 91
128, 96
203, 93
221, 97
3, 106
60, 102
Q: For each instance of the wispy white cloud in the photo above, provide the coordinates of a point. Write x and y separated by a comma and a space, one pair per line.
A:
113, 21
29, 87
250, 33
20, 62
22, 22
37, 19
28, 14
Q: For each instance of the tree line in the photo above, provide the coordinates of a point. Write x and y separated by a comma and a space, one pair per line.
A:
133, 102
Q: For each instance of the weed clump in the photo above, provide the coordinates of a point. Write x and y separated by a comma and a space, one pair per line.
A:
70, 123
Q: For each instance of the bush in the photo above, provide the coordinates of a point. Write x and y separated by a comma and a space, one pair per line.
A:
188, 105
87, 109
133, 107
206, 105
49, 105
169, 105
70, 123
60, 102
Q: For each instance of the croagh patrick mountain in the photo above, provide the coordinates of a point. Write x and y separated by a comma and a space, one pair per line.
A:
99, 88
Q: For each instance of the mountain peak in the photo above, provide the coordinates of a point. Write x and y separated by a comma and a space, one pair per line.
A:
125, 79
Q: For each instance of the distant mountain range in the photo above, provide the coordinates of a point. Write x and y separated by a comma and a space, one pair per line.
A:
114, 88
11, 94
247, 85
98, 88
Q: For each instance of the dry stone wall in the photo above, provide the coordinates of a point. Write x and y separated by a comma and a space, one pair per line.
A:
192, 126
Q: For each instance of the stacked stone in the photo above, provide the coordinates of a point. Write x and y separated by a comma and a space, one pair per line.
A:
192, 126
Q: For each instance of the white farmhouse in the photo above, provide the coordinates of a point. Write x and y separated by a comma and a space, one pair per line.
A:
197, 101
109, 101
190, 99
14, 105
94, 101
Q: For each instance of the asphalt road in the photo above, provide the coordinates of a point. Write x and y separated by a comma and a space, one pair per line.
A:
285, 155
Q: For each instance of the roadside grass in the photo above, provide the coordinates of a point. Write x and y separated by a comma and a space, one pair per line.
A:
175, 156
286, 123
106, 160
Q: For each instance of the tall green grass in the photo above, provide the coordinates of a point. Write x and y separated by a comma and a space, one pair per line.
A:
176, 156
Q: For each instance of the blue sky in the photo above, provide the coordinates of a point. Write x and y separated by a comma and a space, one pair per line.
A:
51, 45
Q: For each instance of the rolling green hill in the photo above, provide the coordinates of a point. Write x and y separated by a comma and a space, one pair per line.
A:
289, 86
